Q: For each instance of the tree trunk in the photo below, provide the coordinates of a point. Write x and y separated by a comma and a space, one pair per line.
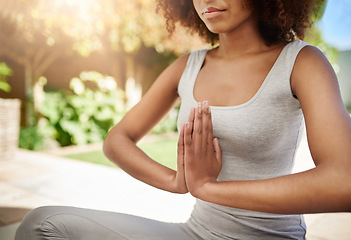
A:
30, 118
34, 89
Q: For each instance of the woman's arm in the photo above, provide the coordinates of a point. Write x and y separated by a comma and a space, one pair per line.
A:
120, 144
326, 188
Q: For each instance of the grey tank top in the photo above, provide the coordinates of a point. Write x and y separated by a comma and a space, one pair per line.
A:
258, 139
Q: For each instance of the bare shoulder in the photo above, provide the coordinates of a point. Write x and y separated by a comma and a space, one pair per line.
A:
312, 71
177, 67
310, 59
181, 61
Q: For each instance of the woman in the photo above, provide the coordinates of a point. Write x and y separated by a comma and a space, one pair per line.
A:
242, 111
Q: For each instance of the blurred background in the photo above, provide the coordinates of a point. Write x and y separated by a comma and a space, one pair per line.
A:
77, 66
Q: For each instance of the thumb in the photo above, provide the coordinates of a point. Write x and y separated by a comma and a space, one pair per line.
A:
180, 146
218, 150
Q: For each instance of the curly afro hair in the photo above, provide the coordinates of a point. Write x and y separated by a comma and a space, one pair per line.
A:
279, 20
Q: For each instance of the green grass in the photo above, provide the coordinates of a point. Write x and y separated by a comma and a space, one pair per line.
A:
164, 152
96, 157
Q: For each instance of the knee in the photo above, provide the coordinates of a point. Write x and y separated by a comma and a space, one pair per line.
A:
33, 223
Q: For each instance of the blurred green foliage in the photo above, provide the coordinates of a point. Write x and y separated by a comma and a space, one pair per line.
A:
5, 72
83, 115
86, 114
168, 123
31, 138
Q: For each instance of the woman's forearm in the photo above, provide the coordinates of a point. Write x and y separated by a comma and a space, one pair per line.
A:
317, 190
123, 152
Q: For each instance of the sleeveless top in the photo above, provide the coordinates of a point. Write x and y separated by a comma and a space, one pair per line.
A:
258, 139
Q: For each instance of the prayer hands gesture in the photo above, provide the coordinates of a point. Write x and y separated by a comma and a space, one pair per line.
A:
199, 154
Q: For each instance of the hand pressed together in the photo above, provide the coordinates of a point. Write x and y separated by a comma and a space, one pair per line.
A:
202, 153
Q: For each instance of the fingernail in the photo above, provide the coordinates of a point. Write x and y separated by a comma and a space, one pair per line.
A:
207, 107
192, 110
199, 107
188, 125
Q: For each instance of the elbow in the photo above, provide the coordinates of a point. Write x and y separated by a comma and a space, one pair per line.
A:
346, 199
115, 144
347, 187
108, 146
343, 188
348, 193
335, 191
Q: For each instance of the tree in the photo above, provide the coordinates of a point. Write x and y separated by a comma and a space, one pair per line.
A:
34, 33
31, 39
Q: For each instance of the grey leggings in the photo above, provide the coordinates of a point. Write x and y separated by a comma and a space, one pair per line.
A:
77, 223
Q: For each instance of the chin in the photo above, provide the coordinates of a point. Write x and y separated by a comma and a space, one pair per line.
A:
217, 29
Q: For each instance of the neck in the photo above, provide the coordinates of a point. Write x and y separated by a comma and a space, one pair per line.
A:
246, 39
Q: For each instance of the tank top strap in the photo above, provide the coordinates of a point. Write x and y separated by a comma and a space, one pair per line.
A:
188, 78
290, 54
278, 79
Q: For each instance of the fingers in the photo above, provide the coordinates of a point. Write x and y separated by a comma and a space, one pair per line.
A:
207, 124
203, 133
199, 129
191, 115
